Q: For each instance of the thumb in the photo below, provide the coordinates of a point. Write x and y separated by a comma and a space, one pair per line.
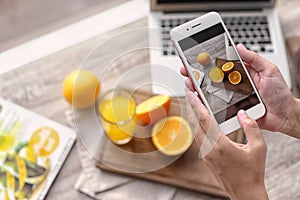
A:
257, 62
251, 128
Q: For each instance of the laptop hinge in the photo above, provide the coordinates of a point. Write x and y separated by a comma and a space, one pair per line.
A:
208, 10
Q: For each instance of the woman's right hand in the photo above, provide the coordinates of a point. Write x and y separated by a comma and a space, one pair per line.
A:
283, 110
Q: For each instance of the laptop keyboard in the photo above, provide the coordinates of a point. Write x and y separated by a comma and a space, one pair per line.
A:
251, 31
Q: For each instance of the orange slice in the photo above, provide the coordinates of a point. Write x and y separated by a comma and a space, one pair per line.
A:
153, 109
216, 74
235, 77
228, 67
172, 136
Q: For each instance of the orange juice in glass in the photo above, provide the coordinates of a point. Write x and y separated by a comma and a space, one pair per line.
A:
117, 111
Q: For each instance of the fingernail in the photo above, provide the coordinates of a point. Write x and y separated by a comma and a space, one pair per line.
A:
242, 46
242, 114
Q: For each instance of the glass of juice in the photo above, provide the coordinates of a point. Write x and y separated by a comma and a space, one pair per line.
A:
117, 111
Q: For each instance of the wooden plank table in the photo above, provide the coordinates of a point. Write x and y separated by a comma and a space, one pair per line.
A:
37, 86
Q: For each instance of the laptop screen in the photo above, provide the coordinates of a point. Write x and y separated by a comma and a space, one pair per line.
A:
199, 1
198, 5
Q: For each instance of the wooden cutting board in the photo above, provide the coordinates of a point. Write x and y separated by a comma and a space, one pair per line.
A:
187, 171
243, 87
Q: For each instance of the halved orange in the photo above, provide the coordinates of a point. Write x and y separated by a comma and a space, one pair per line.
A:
235, 77
228, 67
216, 74
172, 136
197, 75
153, 109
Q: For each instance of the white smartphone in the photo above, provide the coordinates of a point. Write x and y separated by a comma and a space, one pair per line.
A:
216, 70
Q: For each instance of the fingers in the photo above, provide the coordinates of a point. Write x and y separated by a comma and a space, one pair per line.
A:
202, 114
183, 71
198, 122
194, 123
207, 133
188, 81
251, 129
189, 84
257, 62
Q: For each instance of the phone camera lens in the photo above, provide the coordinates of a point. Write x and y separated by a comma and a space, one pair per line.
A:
187, 29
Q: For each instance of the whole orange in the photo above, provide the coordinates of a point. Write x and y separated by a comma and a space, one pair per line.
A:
81, 88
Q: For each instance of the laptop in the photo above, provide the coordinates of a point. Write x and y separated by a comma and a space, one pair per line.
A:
254, 23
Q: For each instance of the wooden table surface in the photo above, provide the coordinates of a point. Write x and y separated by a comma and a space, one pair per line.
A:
37, 86
21, 21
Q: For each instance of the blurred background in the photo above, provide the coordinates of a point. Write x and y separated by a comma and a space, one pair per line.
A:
21, 20
24, 20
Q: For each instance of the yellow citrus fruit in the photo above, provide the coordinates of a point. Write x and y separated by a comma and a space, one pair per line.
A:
216, 74
197, 75
235, 77
172, 136
203, 58
153, 109
81, 88
228, 67
44, 141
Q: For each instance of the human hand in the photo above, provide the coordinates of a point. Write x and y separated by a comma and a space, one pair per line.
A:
283, 110
239, 168
281, 106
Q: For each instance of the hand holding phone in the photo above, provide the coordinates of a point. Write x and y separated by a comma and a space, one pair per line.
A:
209, 55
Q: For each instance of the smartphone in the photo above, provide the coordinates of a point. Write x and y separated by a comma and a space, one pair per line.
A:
216, 70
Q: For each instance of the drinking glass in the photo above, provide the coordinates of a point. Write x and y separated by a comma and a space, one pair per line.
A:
117, 112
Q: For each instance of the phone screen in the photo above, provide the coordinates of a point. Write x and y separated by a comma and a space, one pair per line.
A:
218, 72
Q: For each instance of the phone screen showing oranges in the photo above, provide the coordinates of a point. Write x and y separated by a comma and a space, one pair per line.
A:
203, 58
235, 77
228, 67
216, 74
